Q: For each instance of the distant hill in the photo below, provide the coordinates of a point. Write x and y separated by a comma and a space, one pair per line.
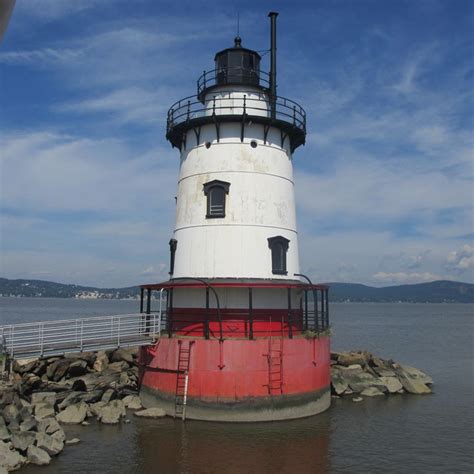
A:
442, 291
49, 289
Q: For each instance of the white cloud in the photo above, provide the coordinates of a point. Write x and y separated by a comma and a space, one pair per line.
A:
461, 259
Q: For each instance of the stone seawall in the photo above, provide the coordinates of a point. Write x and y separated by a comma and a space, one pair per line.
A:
42, 395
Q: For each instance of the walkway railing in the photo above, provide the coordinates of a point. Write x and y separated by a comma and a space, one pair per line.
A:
40, 339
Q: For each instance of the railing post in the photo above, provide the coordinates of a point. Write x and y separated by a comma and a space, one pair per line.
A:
206, 323
306, 310
290, 318
189, 110
214, 105
12, 341
82, 335
118, 331
142, 294
250, 314
245, 104
41, 339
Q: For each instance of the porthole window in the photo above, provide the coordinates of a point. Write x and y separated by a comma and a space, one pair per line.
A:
279, 248
216, 191
253, 144
208, 144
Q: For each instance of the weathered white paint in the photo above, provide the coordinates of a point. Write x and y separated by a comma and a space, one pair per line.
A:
260, 203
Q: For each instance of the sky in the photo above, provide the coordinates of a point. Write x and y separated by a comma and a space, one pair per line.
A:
383, 185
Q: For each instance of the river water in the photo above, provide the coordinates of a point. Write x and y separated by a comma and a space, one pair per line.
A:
399, 434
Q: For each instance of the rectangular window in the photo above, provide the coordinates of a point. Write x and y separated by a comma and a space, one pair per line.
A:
216, 192
279, 248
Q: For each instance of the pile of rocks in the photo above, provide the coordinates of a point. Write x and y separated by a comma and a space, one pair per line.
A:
43, 394
363, 373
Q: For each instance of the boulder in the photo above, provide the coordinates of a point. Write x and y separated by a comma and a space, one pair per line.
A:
350, 358
37, 456
11, 413
51, 445
112, 412
29, 424
71, 399
44, 410
371, 392
73, 414
22, 439
416, 374
132, 402
121, 366
95, 408
412, 382
77, 367
4, 433
24, 366
101, 362
9, 458
123, 354
88, 357
384, 372
43, 397
92, 397
392, 383
151, 413
109, 395
58, 369
338, 382
60, 435
49, 426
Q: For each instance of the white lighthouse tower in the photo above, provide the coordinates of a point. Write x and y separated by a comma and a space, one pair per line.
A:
233, 288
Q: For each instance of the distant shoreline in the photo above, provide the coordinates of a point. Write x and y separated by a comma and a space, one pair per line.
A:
442, 291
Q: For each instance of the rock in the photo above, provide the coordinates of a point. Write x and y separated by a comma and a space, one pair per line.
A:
49, 426
371, 392
357, 399
4, 433
123, 354
79, 386
43, 410
109, 395
350, 358
29, 424
412, 384
73, 414
60, 435
43, 397
9, 458
94, 408
416, 374
11, 413
101, 362
112, 412
392, 383
58, 369
338, 382
22, 439
151, 413
78, 367
85, 423
73, 441
92, 397
24, 366
37, 456
132, 402
89, 357
384, 372
118, 366
50, 444
71, 399
358, 380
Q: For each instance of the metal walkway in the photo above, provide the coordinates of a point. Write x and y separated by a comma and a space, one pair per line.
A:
49, 338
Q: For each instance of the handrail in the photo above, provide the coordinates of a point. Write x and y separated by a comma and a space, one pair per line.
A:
230, 75
79, 334
256, 105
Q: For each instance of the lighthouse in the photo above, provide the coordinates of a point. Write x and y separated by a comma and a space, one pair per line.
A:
244, 335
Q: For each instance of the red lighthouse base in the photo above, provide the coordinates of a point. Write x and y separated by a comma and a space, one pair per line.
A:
239, 380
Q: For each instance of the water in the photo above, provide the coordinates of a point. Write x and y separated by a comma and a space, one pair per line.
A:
398, 434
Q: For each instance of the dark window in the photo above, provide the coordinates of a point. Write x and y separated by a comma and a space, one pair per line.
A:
173, 245
215, 192
279, 247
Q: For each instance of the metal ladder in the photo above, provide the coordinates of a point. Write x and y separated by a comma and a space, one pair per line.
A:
275, 365
184, 357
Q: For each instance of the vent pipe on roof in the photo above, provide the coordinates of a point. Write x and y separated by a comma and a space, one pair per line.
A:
273, 84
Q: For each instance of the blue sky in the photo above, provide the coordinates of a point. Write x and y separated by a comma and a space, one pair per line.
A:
384, 182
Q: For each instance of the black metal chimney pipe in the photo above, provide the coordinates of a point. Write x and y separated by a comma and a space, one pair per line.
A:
273, 60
